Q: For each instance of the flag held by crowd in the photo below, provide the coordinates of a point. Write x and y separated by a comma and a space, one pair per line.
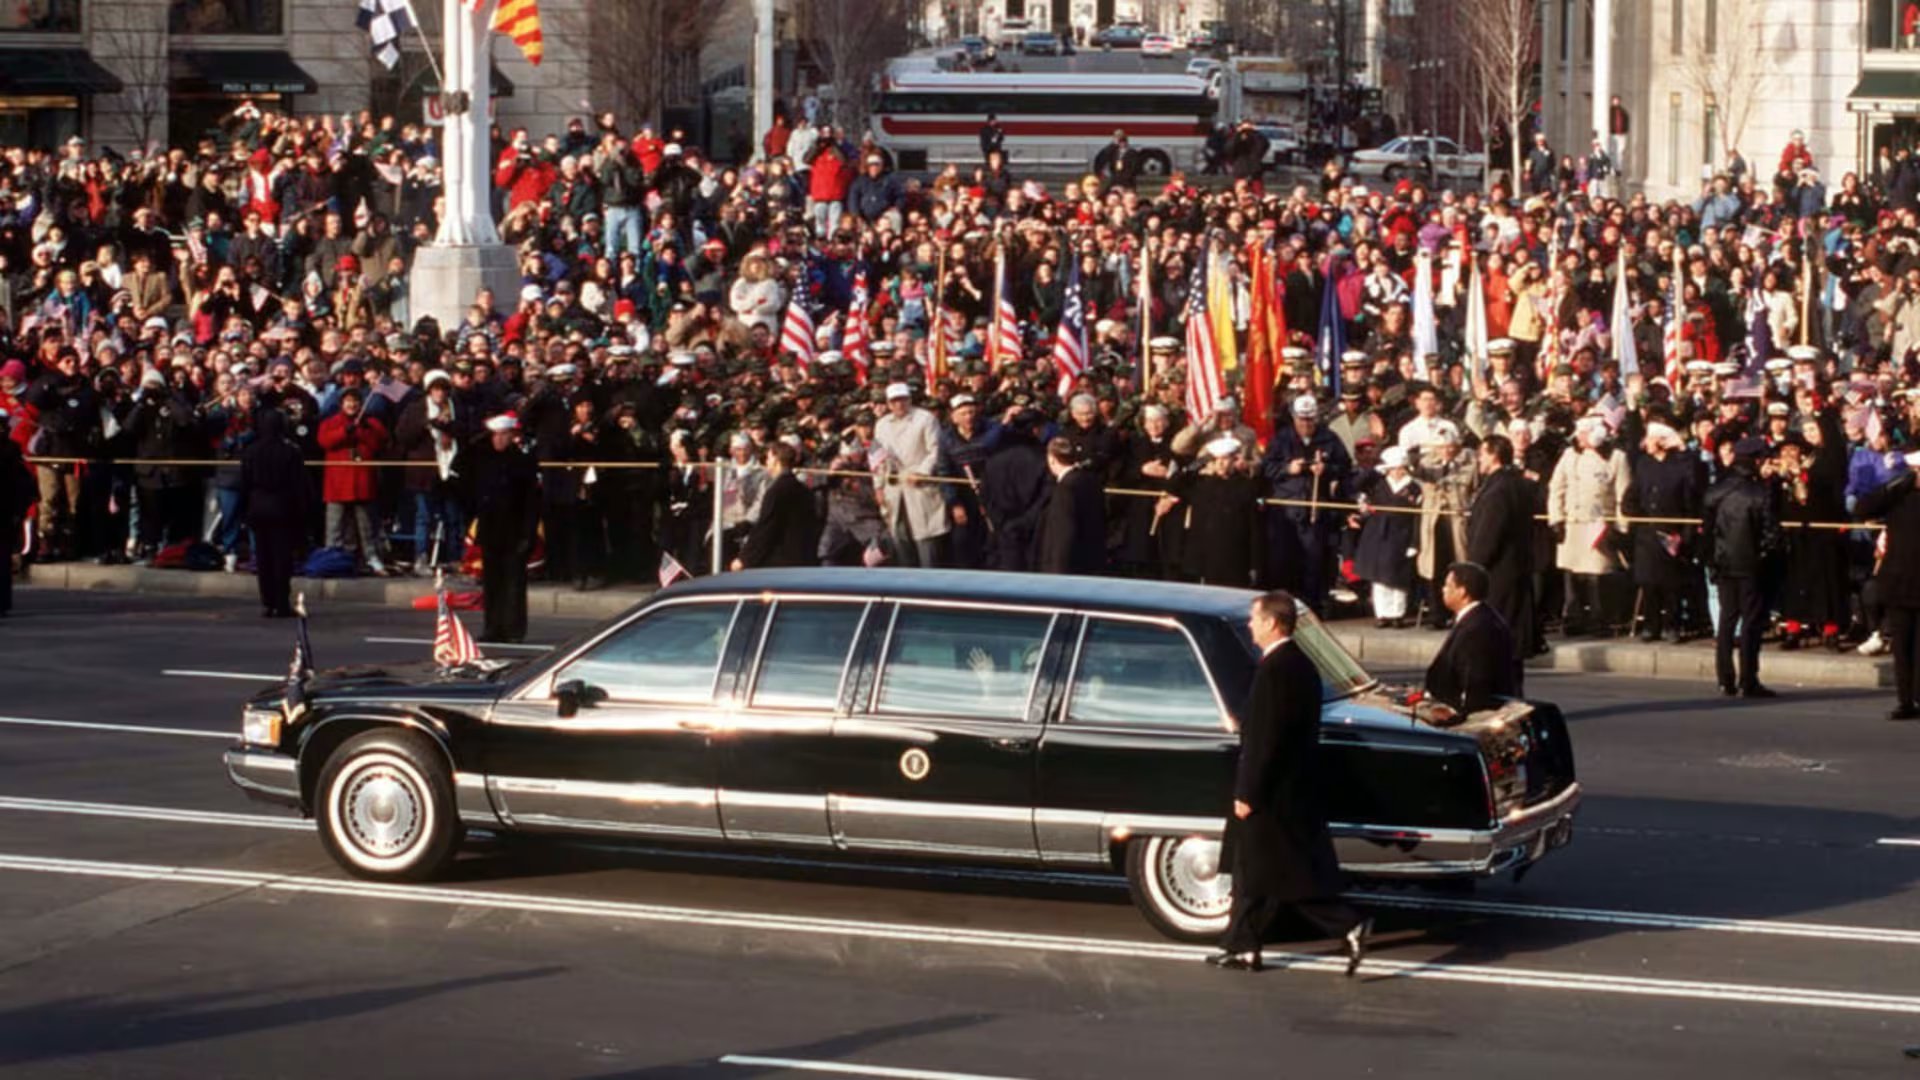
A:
1204, 388
520, 20
796, 335
1070, 340
856, 343
1003, 344
452, 645
1426, 332
384, 21
1620, 323
1333, 329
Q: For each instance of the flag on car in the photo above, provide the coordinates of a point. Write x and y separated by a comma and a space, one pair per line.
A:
671, 570
520, 20
384, 21
1070, 340
452, 645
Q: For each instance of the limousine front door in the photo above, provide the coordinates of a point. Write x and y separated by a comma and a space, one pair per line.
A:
635, 757
937, 756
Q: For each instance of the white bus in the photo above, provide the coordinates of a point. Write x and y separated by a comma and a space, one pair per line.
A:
927, 117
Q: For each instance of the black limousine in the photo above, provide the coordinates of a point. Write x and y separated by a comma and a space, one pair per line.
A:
937, 715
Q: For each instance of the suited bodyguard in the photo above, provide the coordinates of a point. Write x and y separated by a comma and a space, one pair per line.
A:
1898, 502
1500, 535
1277, 844
1073, 528
1477, 667
787, 531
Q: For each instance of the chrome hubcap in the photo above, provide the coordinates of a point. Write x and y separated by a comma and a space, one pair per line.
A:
1190, 870
384, 811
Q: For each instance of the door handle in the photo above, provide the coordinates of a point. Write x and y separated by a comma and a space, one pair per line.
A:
1010, 744
695, 725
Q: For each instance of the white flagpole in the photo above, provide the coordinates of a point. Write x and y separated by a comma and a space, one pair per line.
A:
414, 17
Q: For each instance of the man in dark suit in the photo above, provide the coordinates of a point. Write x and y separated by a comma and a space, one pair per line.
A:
505, 497
1477, 666
1898, 501
787, 532
1277, 843
1073, 531
1500, 534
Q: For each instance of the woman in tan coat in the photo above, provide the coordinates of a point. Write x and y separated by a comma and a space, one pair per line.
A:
1583, 508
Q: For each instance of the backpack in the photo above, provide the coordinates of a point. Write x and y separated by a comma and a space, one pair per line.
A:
329, 562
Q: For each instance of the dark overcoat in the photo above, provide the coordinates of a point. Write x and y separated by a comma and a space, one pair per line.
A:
1282, 850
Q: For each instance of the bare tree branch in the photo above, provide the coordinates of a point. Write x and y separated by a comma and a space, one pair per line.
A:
139, 57
850, 41
1500, 43
1728, 65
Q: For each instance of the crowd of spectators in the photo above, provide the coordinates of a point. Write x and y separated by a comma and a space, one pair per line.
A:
152, 308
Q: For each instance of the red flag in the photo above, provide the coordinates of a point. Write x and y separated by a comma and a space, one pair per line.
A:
1266, 335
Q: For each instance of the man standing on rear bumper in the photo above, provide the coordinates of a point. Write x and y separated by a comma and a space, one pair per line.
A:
1277, 843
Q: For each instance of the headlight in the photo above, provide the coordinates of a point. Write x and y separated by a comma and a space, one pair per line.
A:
260, 727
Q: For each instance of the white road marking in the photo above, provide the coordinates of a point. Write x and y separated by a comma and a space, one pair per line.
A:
843, 1069
153, 813
1897, 841
512, 646
187, 673
131, 729
842, 929
1643, 919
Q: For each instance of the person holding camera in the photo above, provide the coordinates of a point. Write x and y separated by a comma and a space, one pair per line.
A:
350, 440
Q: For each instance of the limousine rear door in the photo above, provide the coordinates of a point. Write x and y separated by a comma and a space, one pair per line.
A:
937, 755
777, 734
634, 757
1139, 743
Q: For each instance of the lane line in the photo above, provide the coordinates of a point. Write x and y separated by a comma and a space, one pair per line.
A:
1606, 916
132, 729
1897, 841
842, 929
847, 1069
508, 645
188, 673
153, 813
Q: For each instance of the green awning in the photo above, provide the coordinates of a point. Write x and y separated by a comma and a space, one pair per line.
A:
54, 71
1886, 91
239, 71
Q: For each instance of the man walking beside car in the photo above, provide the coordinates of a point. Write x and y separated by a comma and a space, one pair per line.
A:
1277, 843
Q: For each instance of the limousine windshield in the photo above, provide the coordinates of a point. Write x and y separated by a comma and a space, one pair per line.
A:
1341, 673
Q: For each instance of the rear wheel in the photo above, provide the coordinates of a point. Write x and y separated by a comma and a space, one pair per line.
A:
1391, 174
1155, 163
385, 807
1178, 884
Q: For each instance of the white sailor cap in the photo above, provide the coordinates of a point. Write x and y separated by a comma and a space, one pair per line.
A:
899, 390
1306, 407
1164, 344
1804, 354
1778, 363
562, 371
504, 422
436, 376
1500, 347
1294, 352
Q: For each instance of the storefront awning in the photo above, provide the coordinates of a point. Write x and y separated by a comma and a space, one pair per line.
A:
239, 71
54, 71
1886, 92
502, 86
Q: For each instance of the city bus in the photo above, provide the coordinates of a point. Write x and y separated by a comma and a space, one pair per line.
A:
927, 117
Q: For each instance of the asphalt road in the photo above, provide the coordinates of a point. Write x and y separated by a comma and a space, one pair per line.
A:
1727, 908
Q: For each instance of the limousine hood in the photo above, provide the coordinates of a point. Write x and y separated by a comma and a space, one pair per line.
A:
421, 681
1376, 710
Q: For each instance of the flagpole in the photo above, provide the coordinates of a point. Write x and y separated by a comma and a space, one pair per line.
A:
1146, 314
414, 18
999, 296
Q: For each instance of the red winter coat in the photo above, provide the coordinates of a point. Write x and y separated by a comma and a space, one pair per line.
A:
524, 181
830, 177
346, 484
648, 150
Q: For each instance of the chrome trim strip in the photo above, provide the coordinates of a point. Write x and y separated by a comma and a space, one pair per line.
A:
771, 800
1409, 834
570, 824
1039, 663
872, 705
923, 848
857, 804
883, 729
629, 719
745, 699
1450, 868
1165, 823
635, 794
471, 801
262, 773
1533, 818
266, 762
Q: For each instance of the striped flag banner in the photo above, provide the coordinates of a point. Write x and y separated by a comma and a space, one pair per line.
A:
519, 20
1204, 388
1003, 343
671, 570
796, 335
1070, 339
452, 645
856, 342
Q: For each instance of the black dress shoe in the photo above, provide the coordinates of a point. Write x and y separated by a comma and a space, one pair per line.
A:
1227, 961
1904, 712
1729, 689
1757, 691
1356, 943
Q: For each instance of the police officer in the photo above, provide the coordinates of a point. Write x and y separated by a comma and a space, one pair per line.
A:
1742, 530
506, 510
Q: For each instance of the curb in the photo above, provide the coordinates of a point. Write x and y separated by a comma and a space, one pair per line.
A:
1376, 649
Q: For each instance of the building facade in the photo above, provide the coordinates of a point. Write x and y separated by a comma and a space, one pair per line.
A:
1699, 78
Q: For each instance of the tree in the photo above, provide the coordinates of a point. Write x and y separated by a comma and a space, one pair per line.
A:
1726, 62
850, 41
139, 57
1500, 45
645, 54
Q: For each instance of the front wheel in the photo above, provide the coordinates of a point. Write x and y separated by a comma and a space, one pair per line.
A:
1178, 884
1155, 164
386, 809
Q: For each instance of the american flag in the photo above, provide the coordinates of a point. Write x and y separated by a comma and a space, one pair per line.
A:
384, 21
1203, 354
1070, 340
452, 645
1676, 319
854, 344
1004, 343
796, 335
670, 569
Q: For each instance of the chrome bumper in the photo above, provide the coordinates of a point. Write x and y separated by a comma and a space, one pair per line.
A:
1518, 840
266, 776
1525, 835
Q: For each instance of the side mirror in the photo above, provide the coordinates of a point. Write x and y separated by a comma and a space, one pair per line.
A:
575, 694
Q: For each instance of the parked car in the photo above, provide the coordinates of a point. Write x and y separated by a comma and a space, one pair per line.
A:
1012, 33
1409, 156
1200, 40
1040, 43
974, 46
1051, 721
1283, 148
1158, 45
1121, 36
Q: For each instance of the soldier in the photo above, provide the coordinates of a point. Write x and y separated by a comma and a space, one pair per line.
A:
506, 510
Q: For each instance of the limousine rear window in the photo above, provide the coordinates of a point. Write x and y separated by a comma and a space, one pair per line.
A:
955, 662
805, 651
1133, 673
670, 654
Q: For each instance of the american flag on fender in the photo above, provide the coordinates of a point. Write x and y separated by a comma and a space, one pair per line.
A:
671, 570
796, 335
1004, 342
855, 344
452, 645
1070, 340
1203, 355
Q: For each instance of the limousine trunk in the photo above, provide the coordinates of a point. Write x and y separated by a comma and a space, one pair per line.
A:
1044, 721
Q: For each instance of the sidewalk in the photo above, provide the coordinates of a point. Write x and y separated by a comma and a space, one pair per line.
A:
1379, 650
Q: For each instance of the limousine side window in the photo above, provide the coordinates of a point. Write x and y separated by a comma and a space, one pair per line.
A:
667, 655
805, 650
1134, 673
959, 662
